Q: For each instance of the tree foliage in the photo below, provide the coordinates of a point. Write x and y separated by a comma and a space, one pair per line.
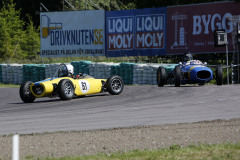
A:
16, 42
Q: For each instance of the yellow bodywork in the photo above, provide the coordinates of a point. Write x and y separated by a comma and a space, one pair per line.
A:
83, 86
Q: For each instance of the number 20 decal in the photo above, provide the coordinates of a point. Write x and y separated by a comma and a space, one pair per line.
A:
84, 86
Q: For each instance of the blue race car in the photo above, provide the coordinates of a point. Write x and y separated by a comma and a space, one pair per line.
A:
189, 72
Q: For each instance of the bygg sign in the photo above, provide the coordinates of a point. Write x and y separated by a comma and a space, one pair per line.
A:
141, 33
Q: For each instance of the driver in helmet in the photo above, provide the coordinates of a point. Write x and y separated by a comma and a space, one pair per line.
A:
66, 71
188, 56
70, 71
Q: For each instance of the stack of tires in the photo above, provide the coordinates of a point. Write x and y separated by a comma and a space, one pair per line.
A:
27, 72
115, 69
1, 73
50, 69
91, 69
12, 74
75, 64
154, 74
40, 72
84, 66
138, 73
4, 73
126, 72
17, 73
99, 70
81, 67
107, 70
33, 72
103, 70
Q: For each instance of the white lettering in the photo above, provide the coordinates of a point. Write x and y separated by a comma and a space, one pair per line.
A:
211, 23
206, 23
150, 23
129, 39
149, 40
197, 28
230, 25
119, 25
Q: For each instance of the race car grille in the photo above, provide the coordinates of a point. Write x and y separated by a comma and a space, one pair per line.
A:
38, 90
203, 74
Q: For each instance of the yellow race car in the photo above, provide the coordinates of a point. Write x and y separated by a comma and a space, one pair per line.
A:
66, 85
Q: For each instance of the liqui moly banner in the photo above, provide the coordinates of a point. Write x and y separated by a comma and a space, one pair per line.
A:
73, 33
191, 28
139, 32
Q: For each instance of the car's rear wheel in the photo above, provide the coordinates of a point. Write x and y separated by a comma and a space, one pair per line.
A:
161, 76
114, 85
219, 75
65, 89
25, 93
177, 76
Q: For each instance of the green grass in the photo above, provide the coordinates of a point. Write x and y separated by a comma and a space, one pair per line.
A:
175, 152
48, 60
2, 85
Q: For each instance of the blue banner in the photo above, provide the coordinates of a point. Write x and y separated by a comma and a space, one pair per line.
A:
140, 32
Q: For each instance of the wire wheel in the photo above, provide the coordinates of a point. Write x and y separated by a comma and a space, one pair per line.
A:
68, 89
65, 89
114, 85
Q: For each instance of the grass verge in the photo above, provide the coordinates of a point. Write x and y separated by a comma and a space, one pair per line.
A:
192, 152
3, 85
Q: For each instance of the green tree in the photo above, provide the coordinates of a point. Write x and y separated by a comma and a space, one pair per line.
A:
17, 39
31, 43
10, 30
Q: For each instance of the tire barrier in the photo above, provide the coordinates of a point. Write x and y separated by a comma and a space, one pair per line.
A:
126, 72
50, 69
101, 70
81, 67
131, 73
1, 73
33, 72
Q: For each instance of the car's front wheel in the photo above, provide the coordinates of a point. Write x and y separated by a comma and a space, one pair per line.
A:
161, 76
177, 76
65, 89
219, 75
114, 85
25, 93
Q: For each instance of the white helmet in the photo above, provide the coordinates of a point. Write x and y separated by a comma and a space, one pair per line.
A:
70, 68
65, 70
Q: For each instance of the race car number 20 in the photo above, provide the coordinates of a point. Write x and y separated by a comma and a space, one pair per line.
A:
84, 86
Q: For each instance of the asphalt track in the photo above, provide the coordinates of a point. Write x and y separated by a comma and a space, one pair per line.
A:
136, 106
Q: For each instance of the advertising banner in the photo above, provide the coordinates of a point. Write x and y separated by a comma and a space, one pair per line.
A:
191, 28
72, 33
140, 32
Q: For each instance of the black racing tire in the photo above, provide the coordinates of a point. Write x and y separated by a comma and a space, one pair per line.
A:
177, 76
219, 75
161, 76
25, 93
65, 89
114, 85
